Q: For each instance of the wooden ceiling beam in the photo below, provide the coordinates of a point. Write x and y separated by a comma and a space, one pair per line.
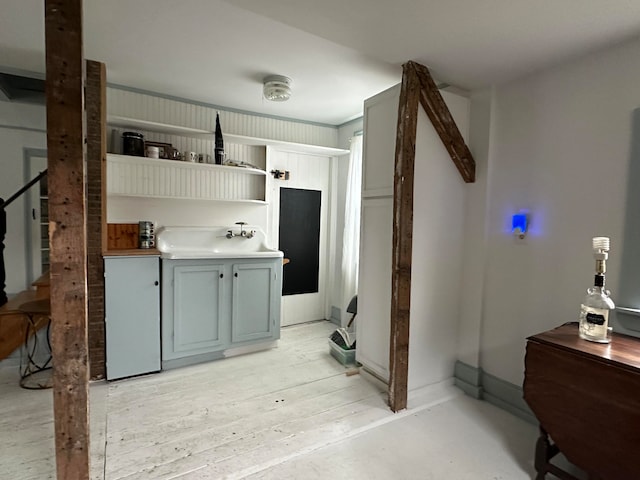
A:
67, 235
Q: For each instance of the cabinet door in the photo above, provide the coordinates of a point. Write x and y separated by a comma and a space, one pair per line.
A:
255, 307
374, 285
132, 315
197, 310
379, 148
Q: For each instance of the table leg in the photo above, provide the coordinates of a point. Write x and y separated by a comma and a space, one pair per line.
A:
543, 447
545, 451
32, 367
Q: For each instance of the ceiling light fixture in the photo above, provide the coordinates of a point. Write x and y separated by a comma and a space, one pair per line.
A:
277, 88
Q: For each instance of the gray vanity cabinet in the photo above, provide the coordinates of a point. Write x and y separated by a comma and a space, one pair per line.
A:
210, 306
132, 315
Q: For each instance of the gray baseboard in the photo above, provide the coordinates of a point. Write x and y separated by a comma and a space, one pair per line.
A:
479, 384
191, 360
468, 378
336, 315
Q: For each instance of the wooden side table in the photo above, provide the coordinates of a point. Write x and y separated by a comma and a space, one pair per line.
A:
35, 312
586, 397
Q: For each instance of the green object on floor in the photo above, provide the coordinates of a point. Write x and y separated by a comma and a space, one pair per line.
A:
345, 357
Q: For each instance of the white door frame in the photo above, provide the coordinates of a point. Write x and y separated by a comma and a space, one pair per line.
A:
293, 302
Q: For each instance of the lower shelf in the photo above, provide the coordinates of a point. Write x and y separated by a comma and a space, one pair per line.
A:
223, 200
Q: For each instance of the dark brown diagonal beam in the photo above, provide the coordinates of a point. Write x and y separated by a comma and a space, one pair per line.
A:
67, 235
402, 237
445, 125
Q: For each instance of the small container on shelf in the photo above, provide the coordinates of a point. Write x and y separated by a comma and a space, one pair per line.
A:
146, 235
153, 152
133, 144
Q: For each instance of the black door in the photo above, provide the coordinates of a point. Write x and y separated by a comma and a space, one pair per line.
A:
300, 239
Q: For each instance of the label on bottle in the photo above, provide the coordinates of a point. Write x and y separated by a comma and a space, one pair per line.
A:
594, 323
595, 318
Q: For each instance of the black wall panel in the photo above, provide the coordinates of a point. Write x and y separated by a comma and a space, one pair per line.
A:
300, 239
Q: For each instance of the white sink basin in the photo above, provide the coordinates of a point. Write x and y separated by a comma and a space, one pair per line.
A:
212, 242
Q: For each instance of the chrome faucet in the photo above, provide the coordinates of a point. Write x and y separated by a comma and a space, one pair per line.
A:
243, 233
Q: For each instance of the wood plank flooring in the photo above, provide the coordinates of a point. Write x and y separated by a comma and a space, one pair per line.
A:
289, 412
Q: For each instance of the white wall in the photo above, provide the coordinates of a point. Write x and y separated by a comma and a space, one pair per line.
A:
438, 238
348, 130
21, 127
474, 251
560, 147
165, 211
439, 205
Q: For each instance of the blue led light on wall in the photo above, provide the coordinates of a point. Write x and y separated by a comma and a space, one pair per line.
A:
519, 225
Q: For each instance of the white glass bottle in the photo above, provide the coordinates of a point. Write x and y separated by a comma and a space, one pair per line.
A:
594, 313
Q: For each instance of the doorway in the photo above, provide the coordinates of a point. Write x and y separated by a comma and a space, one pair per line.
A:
305, 193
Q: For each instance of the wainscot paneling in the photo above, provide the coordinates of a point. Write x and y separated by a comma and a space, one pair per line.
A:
125, 103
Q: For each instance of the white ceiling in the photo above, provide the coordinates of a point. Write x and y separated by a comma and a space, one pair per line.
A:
337, 52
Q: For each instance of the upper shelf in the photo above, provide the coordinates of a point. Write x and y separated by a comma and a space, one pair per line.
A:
133, 123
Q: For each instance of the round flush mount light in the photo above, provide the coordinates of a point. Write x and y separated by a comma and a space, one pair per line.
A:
277, 88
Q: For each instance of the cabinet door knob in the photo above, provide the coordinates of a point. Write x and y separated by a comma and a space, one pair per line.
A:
221, 275
156, 283
235, 274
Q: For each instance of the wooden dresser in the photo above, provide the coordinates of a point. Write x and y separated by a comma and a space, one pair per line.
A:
586, 397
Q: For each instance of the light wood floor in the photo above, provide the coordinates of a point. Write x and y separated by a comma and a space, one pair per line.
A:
286, 413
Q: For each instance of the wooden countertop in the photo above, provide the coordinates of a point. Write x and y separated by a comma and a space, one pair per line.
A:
622, 350
131, 252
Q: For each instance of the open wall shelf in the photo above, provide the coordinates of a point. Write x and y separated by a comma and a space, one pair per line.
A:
150, 177
132, 123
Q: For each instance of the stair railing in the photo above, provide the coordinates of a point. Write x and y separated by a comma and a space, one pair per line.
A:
3, 231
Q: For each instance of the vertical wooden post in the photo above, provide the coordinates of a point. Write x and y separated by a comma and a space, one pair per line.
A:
67, 235
96, 100
403, 237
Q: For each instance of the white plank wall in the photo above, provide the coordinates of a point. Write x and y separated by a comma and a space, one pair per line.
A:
163, 110
145, 177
